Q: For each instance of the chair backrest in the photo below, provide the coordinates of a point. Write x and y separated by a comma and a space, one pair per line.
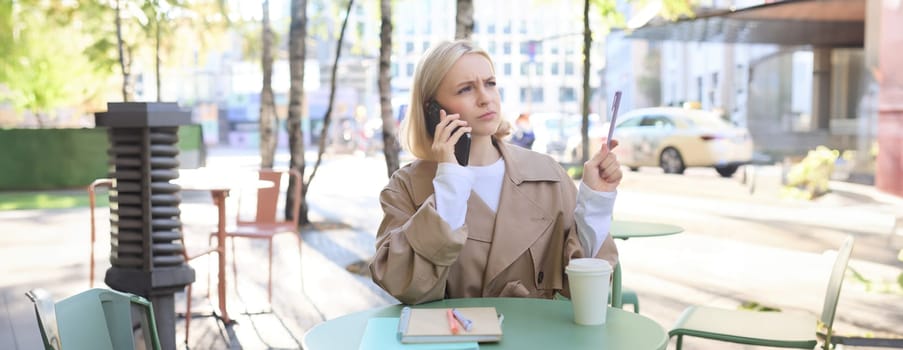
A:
46, 314
101, 319
834, 285
268, 198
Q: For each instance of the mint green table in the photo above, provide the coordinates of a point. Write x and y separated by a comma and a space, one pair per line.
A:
623, 229
529, 324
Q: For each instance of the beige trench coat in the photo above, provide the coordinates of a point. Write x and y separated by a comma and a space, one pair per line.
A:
520, 251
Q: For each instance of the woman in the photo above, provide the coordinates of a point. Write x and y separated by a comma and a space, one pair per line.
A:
507, 224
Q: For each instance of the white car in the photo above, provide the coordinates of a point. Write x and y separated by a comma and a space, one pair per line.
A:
551, 130
674, 139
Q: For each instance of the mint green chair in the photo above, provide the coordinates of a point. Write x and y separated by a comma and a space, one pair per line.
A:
775, 329
46, 314
97, 319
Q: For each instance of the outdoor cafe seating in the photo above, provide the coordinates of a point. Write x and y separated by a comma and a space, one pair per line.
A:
777, 329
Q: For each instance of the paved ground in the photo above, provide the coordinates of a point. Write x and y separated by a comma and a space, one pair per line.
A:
49, 249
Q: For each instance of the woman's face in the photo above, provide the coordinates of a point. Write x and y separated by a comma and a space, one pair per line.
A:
469, 90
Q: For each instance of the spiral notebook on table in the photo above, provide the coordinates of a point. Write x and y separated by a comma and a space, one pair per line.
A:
422, 325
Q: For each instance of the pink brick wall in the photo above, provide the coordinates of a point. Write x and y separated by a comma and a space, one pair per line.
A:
889, 167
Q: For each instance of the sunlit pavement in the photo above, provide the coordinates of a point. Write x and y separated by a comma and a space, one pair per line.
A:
738, 246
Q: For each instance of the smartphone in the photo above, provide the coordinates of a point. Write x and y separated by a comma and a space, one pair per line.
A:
462, 147
614, 118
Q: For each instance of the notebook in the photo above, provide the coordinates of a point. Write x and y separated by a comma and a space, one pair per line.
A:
381, 334
422, 325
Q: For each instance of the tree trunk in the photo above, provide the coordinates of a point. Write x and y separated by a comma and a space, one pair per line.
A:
464, 19
125, 62
267, 102
296, 47
157, 57
390, 133
587, 43
327, 118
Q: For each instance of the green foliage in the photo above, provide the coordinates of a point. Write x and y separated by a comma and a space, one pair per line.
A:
809, 178
608, 10
755, 306
675, 9
42, 61
48, 200
877, 285
575, 171
900, 278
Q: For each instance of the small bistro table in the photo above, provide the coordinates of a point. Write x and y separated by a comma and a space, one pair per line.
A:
623, 229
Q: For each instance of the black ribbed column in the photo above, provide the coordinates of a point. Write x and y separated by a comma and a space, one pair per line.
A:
145, 228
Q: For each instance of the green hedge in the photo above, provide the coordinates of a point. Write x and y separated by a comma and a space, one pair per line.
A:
41, 159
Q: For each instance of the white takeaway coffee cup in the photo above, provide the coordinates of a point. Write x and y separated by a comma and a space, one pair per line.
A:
589, 284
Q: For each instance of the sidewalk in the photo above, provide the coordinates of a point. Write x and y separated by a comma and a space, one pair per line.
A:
48, 249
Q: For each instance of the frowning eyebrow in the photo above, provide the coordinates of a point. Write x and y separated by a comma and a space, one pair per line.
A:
471, 82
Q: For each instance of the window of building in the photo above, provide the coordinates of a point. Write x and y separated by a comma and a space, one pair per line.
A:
409, 47
569, 68
394, 71
566, 94
536, 92
507, 69
524, 68
507, 29
506, 48
491, 47
409, 69
554, 69
539, 68
490, 28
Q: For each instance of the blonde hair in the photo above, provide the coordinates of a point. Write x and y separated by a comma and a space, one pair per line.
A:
431, 69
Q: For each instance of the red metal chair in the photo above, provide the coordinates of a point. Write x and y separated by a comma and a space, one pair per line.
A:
92, 200
265, 224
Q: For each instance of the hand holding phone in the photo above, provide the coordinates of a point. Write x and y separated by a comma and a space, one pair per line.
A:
462, 147
614, 118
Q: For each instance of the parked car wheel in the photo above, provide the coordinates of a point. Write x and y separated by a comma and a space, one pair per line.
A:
726, 170
671, 161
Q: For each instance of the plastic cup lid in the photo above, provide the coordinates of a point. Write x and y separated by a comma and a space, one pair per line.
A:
589, 265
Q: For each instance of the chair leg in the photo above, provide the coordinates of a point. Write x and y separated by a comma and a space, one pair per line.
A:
680, 340
209, 266
270, 277
234, 266
187, 313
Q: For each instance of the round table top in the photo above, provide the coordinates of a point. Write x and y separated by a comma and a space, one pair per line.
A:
625, 229
528, 324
